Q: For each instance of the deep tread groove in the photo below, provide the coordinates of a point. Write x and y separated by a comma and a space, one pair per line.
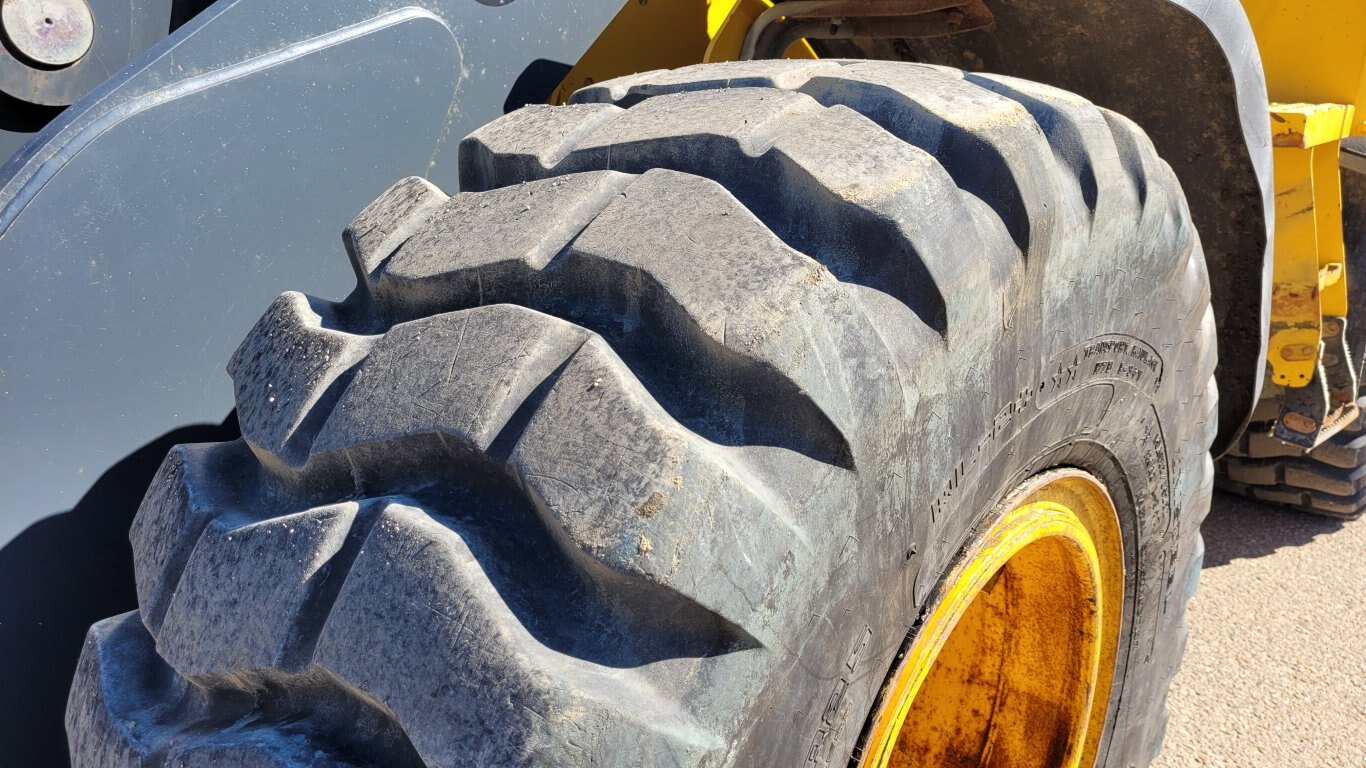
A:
323, 591
429, 447
182, 492
311, 719
592, 283
288, 375
1131, 155
500, 450
842, 219
1064, 136
976, 165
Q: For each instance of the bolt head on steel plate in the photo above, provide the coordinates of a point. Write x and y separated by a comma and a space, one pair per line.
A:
49, 33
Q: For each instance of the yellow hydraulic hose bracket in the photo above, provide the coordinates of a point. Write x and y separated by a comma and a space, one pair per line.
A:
645, 36
665, 35
728, 37
1308, 277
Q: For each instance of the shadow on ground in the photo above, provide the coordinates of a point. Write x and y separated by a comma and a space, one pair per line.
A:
59, 576
1239, 527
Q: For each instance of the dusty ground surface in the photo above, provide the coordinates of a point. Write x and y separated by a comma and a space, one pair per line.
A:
1275, 673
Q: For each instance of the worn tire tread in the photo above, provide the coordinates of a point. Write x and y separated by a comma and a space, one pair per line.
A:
506, 379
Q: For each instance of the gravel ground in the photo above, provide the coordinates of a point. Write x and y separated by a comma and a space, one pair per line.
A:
1275, 672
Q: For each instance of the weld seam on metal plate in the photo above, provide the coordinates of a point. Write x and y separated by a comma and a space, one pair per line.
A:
192, 85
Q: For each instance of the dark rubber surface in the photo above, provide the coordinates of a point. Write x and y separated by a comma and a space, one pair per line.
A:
1188, 72
1328, 480
648, 447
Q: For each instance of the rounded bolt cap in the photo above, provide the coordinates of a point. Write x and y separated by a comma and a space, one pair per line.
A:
49, 33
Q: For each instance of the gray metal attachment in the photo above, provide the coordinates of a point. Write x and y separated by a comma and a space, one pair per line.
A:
51, 33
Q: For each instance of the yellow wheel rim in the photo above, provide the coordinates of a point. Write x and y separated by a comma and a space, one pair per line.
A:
1014, 661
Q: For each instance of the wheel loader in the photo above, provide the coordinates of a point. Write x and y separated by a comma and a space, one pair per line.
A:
697, 383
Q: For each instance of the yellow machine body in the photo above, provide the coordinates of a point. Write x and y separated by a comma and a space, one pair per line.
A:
1314, 57
1313, 51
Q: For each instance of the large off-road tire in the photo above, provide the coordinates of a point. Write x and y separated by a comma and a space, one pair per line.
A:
650, 446
1328, 480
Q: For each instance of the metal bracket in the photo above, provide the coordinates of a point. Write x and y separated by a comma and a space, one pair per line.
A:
1302, 414
1339, 372
1308, 273
1310, 415
786, 23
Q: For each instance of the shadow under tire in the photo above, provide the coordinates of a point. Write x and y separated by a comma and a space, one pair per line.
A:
651, 446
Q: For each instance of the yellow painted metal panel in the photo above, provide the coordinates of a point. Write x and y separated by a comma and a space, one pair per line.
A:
730, 36
1308, 274
1332, 250
942, 700
1313, 51
645, 36
1314, 56
1293, 348
1309, 125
